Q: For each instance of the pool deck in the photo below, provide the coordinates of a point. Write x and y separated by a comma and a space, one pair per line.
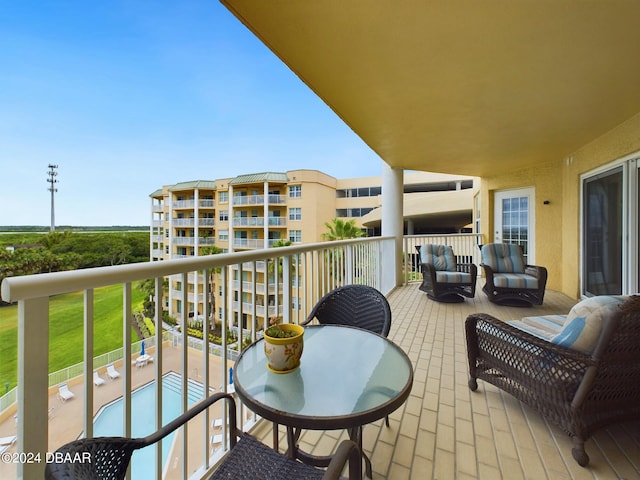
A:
65, 420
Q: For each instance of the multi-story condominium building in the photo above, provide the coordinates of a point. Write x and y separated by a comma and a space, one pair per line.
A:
264, 210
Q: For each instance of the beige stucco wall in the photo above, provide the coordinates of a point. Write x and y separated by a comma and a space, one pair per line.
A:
557, 224
317, 203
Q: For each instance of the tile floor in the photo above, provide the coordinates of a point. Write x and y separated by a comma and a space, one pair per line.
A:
444, 431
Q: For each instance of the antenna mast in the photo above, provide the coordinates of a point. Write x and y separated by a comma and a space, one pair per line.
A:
51, 178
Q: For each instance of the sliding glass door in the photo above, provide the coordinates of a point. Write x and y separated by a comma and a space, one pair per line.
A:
610, 230
603, 197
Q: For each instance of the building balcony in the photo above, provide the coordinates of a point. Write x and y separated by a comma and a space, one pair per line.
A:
183, 240
206, 203
259, 221
259, 200
183, 222
443, 430
182, 204
248, 221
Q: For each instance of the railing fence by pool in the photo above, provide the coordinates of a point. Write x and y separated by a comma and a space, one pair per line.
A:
298, 276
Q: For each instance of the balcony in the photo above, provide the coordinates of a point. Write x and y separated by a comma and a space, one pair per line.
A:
183, 204
183, 222
259, 200
443, 431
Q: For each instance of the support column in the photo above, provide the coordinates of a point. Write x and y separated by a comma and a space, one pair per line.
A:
392, 219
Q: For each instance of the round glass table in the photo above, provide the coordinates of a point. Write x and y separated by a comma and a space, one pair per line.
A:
347, 377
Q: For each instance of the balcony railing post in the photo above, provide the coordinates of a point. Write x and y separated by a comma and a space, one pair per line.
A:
33, 382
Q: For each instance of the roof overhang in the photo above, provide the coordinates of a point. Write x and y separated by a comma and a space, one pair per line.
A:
462, 86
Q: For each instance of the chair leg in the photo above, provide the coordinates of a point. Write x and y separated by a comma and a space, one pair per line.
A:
386, 421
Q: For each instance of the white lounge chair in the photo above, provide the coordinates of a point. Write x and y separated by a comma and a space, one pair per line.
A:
64, 393
112, 372
97, 379
6, 442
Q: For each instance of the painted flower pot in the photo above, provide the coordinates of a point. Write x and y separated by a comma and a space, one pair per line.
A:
283, 351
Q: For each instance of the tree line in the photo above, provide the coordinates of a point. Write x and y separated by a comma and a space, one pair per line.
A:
66, 250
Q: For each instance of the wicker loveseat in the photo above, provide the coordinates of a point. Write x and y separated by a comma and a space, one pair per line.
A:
443, 278
581, 371
509, 280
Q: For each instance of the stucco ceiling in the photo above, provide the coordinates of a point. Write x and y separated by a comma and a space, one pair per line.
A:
462, 86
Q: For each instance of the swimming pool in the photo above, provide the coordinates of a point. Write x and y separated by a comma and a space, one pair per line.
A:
108, 421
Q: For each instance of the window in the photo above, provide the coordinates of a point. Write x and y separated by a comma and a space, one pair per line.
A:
295, 213
223, 197
352, 212
295, 236
224, 215
295, 191
223, 234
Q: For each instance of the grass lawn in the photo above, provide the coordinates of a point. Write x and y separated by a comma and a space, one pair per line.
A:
66, 330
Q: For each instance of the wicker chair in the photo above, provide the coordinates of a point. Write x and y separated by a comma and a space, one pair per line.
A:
443, 278
355, 305
509, 280
580, 392
247, 458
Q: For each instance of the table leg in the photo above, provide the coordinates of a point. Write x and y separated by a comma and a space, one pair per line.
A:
276, 440
355, 434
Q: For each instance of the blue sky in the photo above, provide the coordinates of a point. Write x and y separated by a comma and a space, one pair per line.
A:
126, 96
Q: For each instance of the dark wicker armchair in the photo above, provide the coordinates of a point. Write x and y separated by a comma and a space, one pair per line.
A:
356, 305
581, 392
509, 280
443, 278
247, 458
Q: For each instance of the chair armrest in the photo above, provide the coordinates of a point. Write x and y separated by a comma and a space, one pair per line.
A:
536, 271
192, 412
347, 451
467, 268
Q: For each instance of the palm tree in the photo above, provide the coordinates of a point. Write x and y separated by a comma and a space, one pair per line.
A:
338, 229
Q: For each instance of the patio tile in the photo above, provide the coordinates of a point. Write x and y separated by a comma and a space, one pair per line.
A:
485, 434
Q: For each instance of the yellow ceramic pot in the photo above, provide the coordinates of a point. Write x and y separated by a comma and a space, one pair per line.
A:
283, 354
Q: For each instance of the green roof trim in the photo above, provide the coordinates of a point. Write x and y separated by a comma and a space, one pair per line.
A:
157, 193
200, 184
260, 177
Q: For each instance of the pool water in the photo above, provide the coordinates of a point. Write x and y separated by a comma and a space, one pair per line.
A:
108, 421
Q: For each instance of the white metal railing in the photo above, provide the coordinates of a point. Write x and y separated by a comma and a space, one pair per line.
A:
248, 221
184, 222
240, 200
183, 204
466, 247
317, 268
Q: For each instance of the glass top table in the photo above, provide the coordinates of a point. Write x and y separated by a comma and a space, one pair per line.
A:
347, 377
